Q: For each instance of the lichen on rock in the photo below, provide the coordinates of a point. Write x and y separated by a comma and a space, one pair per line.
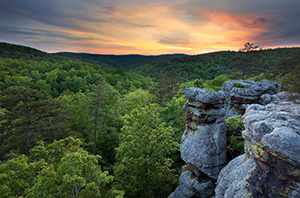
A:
268, 132
272, 136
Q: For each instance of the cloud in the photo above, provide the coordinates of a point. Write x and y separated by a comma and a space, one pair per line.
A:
175, 38
142, 26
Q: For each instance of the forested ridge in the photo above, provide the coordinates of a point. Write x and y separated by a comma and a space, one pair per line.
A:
124, 62
73, 127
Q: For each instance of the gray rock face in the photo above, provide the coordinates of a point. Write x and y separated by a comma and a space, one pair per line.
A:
208, 143
240, 93
268, 98
203, 144
191, 187
272, 136
233, 178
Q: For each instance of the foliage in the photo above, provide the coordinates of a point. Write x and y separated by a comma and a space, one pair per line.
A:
49, 96
286, 65
29, 119
173, 115
292, 83
78, 106
143, 164
125, 62
199, 83
216, 83
167, 88
238, 84
136, 99
235, 126
204, 66
246, 62
61, 169
258, 78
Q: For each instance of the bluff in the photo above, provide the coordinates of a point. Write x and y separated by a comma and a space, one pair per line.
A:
258, 173
270, 166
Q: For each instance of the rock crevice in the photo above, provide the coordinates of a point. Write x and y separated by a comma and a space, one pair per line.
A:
272, 147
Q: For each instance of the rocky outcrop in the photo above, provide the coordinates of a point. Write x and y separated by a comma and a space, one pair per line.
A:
203, 144
241, 93
271, 165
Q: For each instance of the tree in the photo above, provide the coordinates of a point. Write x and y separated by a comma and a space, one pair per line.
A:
286, 65
29, 119
249, 47
78, 105
143, 164
246, 61
61, 169
292, 83
136, 99
102, 95
167, 87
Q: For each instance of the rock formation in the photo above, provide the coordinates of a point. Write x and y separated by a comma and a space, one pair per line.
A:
271, 165
203, 144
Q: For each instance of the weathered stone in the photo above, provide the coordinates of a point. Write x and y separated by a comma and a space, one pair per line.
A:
191, 187
205, 148
268, 98
203, 144
282, 96
204, 96
241, 92
233, 178
272, 136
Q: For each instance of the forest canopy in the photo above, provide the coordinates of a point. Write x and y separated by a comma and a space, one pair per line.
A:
97, 130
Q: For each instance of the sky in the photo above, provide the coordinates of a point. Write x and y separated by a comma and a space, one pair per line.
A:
149, 27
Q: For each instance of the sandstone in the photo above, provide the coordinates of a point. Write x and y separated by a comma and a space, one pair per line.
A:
203, 144
272, 136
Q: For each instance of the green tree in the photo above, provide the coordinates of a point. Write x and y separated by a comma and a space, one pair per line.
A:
246, 61
78, 105
102, 95
292, 83
167, 87
216, 83
29, 119
286, 65
143, 167
61, 169
136, 99
235, 141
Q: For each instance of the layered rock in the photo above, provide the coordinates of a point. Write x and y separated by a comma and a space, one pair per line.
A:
241, 93
203, 144
271, 165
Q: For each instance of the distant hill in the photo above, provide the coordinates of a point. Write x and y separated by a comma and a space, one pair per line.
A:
125, 62
208, 66
52, 74
14, 51
202, 66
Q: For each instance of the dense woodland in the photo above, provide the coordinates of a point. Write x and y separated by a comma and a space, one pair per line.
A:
74, 126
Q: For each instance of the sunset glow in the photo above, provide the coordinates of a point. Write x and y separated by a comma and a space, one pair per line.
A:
148, 27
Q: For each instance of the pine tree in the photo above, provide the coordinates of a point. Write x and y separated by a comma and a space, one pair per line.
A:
29, 119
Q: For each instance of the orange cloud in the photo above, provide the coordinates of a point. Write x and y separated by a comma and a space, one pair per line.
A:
154, 28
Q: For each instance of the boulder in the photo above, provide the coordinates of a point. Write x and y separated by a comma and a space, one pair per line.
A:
240, 93
271, 164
